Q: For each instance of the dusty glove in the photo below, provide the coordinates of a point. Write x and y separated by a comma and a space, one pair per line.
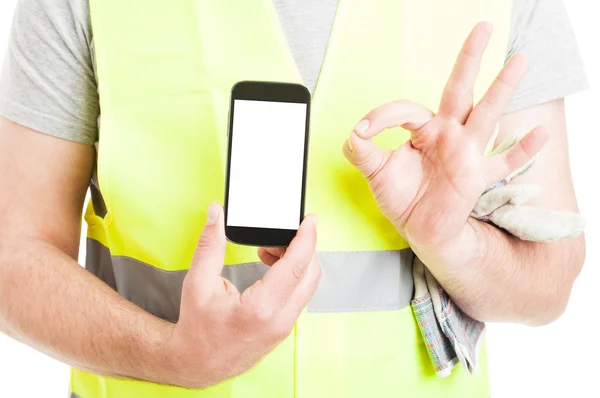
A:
503, 208
450, 335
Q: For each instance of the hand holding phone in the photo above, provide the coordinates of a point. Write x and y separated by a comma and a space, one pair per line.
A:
266, 173
237, 329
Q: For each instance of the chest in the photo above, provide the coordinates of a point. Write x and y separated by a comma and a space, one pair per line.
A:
165, 76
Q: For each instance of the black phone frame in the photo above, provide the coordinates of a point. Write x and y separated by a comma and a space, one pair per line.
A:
276, 92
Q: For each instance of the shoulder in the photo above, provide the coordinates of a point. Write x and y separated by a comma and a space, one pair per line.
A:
537, 20
48, 80
68, 20
542, 30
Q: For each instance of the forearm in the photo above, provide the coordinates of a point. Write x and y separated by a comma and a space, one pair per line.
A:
503, 278
49, 302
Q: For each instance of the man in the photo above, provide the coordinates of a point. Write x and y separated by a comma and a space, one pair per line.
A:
145, 82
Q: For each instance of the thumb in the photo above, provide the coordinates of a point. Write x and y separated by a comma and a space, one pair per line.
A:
365, 155
209, 257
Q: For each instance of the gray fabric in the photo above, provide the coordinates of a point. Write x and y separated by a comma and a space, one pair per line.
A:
364, 281
96, 195
99, 262
155, 290
73, 395
542, 30
351, 281
244, 275
48, 80
307, 25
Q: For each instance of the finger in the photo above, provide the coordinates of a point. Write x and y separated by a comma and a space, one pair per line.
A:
365, 155
362, 152
209, 257
267, 256
303, 293
486, 114
287, 273
500, 166
275, 251
457, 99
407, 114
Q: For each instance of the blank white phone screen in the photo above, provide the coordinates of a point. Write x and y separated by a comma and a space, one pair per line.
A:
267, 162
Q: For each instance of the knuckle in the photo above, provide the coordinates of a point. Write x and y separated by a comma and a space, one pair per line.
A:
374, 167
263, 315
396, 107
516, 156
504, 83
298, 271
280, 331
525, 150
451, 128
486, 105
204, 242
401, 103
469, 55
456, 87
208, 242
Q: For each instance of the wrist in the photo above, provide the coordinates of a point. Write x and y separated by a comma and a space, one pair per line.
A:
182, 363
450, 259
164, 359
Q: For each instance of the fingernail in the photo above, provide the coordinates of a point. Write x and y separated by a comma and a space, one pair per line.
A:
213, 214
314, 220
362, 126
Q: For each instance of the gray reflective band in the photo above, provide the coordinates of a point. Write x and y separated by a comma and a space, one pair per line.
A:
155, 290
73, 395
364, 281
351, 281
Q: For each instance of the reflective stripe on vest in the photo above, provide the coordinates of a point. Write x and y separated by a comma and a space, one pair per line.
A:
351, 281
165, 70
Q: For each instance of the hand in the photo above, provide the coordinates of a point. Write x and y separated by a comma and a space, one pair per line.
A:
428, 186
222, 333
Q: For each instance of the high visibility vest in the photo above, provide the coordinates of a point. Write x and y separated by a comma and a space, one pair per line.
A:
165, 70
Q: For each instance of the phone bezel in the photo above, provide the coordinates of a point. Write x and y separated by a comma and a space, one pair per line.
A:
275, 92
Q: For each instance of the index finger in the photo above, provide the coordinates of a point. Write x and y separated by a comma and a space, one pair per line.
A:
287, 273
403, 113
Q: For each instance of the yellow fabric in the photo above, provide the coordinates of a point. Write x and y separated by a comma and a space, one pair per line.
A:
165, 71
336, 355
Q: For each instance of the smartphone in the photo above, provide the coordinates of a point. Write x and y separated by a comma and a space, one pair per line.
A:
267, 159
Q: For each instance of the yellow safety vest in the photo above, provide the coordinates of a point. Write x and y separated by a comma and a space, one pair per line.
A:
165, 71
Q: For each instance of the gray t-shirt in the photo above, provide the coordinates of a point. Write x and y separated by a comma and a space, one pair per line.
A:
48, 81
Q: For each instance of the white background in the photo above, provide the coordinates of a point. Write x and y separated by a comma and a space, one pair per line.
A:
268, 145
560, 360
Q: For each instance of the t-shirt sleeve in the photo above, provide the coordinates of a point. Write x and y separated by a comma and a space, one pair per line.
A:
48, 82
542, 30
